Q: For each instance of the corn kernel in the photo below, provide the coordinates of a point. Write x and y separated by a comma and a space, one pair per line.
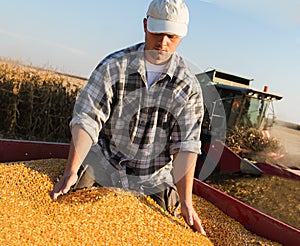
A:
98, 215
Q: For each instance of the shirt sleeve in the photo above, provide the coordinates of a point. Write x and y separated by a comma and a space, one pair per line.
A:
185, 135
93, 105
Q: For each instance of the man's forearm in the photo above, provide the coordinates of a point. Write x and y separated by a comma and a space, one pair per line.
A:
80, 145
184, 168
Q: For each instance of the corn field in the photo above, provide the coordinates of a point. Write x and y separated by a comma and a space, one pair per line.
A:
35, 104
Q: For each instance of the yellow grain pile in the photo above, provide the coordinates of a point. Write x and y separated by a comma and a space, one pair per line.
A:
98, 216
223, 230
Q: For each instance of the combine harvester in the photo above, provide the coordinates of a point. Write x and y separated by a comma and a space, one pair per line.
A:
242, 106
231, 102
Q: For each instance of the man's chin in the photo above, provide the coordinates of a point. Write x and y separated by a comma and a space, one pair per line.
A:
159, 56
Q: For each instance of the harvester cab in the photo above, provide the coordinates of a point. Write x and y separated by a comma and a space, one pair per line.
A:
230, 102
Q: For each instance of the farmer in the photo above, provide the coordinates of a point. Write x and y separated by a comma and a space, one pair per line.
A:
137, 122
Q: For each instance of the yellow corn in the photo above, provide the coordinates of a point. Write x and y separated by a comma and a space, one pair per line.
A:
94, 216
224, 230
99, 216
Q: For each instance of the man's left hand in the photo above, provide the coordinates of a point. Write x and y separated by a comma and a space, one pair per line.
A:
191, 218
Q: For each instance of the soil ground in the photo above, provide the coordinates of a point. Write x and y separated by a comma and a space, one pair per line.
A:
289, 138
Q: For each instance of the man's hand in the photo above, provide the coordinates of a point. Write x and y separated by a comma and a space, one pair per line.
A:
80, 145
184, 167
191, 218
63, 185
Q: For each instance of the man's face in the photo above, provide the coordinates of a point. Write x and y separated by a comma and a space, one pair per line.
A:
159, 46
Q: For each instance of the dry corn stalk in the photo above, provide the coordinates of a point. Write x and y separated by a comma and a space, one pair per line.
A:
250, 143
36, 104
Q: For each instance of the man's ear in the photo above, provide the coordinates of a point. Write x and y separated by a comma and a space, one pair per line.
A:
145, 24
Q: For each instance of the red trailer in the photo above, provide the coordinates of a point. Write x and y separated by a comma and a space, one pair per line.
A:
252, 219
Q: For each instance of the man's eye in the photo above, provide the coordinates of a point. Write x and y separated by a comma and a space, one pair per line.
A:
172, 36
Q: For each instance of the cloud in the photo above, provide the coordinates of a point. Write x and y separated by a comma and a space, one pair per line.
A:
34, 40
207, 1
13, 35
284, 12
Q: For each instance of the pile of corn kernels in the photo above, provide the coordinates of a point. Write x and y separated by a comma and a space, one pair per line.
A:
99, 216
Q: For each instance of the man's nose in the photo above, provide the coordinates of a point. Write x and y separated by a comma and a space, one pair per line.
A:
164, 39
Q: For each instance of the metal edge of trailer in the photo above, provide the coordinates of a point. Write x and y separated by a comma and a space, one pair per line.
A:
252, 219
278, 170
229, 162
23, 150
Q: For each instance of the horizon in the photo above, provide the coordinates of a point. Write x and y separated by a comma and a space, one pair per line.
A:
251, 40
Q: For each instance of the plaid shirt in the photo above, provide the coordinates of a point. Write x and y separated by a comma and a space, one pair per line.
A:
136, 126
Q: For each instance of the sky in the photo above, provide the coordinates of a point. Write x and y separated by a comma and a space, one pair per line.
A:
256, 39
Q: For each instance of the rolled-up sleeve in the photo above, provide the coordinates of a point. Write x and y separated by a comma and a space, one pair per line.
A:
185, 135
93, 105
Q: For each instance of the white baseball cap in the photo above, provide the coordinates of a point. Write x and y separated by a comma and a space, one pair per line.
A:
168, 16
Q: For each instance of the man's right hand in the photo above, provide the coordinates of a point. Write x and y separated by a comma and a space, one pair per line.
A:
80, 145
63, 185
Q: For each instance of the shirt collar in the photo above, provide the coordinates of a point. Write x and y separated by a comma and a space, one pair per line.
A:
137, 63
